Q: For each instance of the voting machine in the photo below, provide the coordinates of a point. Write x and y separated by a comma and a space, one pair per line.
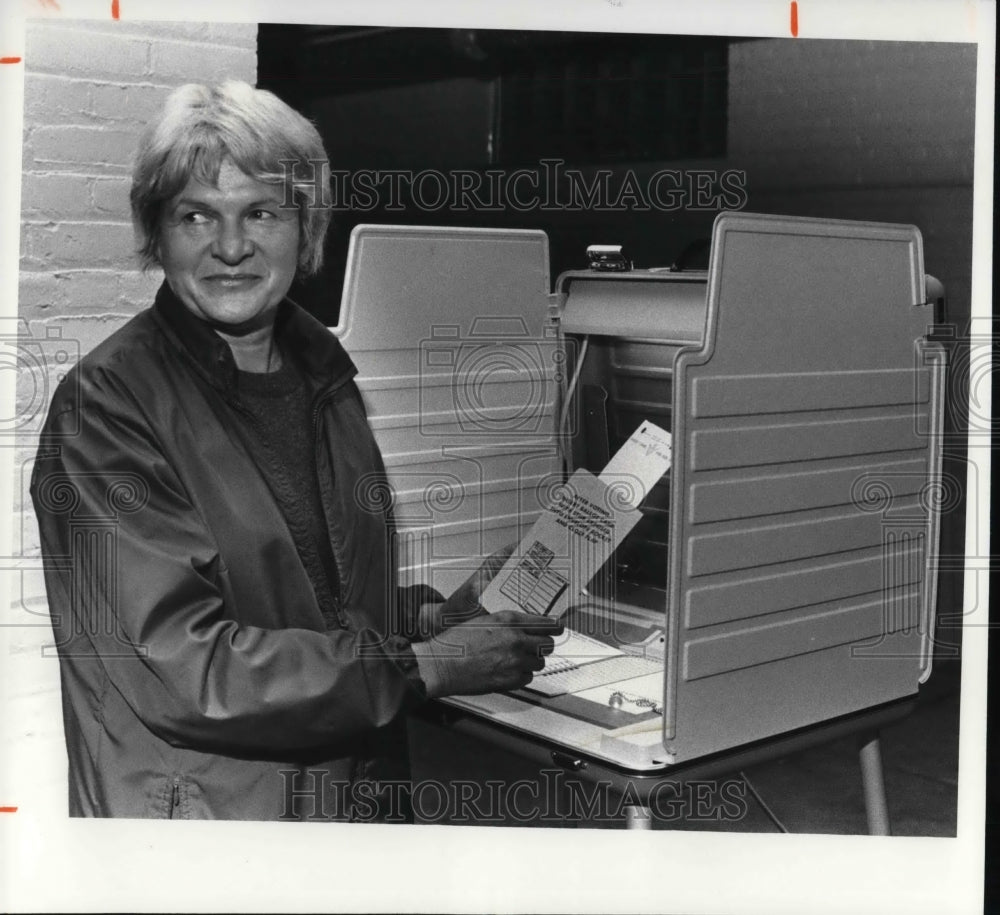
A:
783, 571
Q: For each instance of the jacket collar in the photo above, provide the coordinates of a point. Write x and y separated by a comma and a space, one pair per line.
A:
298, 333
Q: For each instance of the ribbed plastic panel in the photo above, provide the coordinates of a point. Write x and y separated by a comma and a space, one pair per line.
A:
805, 480
457, 360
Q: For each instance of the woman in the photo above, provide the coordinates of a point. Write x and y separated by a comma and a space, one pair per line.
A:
230, 637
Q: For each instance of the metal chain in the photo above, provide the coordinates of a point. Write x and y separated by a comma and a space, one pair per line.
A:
616, 699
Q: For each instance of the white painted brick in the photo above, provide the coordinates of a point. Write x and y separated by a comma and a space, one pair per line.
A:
110, 197
37, 293
36, 382
34, 676
125, 102
25, 540
27, 591
224, 33
21, 611
27, 636
190, 62
234, 34
31, 543
238, 34
95, 147
45, 294
50, 99
27, 147
26, 256
142, 29
24, 529
78, 52
85, 245
56, 195
26, 579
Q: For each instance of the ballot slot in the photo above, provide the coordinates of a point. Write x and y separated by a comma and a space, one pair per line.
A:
621, 384
630, 329
623, 380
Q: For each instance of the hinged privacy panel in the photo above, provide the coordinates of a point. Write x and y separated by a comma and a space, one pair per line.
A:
458, 361
801, 579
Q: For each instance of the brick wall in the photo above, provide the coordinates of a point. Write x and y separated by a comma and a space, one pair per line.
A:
90, 87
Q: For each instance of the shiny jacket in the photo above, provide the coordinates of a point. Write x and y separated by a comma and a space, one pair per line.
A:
197, 676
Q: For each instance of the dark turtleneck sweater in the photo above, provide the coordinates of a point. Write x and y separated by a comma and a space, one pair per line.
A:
280, 432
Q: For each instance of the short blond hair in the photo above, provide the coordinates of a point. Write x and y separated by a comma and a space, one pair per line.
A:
199, 128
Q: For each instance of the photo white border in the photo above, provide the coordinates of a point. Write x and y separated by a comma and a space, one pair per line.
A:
82, 865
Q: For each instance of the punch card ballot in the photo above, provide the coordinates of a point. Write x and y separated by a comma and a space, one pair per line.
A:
587, 520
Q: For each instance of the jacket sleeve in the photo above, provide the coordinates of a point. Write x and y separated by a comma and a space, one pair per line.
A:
133, 573
410, 599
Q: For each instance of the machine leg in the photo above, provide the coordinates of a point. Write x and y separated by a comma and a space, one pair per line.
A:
870, 754
638, 818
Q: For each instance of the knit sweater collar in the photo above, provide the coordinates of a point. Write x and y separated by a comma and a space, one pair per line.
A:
297, 332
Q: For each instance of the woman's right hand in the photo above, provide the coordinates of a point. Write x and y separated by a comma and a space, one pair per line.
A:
489, 653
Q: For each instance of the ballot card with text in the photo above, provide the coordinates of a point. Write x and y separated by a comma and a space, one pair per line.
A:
576, 535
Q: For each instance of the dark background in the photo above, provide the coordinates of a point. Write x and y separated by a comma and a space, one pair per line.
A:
446, 99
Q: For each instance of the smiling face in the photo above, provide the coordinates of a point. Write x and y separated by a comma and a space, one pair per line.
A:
230, 252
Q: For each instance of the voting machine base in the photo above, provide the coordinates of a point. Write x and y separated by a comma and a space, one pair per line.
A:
783, 572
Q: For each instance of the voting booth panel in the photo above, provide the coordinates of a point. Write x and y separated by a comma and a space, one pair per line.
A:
806, 466
457, 357
788, 555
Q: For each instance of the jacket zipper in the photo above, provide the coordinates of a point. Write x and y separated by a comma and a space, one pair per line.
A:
321, 400
175, 797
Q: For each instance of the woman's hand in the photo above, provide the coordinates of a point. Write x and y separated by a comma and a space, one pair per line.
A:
463, 605
488, 653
